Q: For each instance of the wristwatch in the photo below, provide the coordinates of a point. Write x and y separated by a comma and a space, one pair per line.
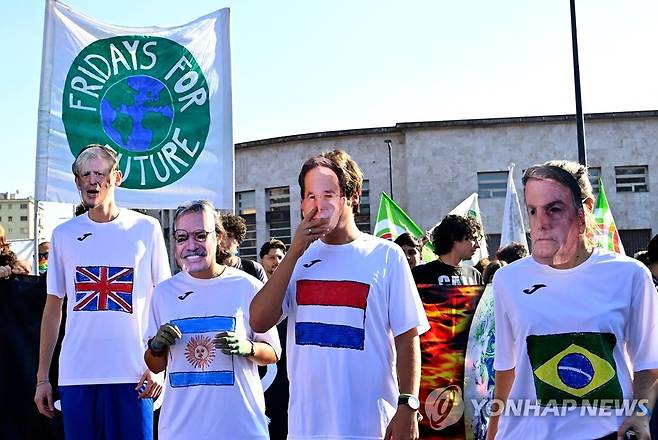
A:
410, 400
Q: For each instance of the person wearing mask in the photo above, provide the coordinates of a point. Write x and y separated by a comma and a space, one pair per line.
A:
576, 325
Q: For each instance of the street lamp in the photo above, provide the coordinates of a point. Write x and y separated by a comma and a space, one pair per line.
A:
390, 168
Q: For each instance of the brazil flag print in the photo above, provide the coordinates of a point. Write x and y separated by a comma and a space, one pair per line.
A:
574, 367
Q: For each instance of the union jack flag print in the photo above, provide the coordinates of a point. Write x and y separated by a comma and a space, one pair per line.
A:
99, 288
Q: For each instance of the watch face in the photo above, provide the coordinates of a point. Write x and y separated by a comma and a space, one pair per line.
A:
411, 401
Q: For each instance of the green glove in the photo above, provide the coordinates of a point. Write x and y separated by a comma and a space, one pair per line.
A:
230, 344
166, 336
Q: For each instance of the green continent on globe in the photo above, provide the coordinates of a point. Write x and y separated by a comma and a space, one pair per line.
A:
144, 96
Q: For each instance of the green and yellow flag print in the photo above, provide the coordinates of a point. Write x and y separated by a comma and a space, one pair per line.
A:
393, 221
574, 367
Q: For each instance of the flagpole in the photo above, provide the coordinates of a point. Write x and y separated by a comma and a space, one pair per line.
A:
580, 120
390, 168
36, 236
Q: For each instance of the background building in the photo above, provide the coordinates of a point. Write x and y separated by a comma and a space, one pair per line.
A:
17, 216
436, 165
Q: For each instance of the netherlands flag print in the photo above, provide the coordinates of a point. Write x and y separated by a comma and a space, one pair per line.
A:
331, 313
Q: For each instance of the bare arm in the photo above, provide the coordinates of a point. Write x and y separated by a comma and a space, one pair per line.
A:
266, 306
504, 380
22, 267
407, 346
5, 271
404, 424
265, 309
50, 322
644, 390
264, 353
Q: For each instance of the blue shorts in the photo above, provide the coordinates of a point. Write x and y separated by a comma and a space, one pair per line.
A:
104, 412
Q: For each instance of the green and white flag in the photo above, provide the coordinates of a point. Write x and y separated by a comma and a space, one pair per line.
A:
160, 97
393, 221
471, 208
607, 235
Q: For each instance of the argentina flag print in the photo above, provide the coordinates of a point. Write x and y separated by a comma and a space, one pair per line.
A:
197, 361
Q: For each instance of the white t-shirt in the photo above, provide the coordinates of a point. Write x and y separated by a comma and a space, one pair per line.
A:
210, 395
574, 337
345, 304
107, 271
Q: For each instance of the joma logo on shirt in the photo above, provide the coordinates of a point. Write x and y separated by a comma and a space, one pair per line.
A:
83, 236
311, 263
185, 295
533, 289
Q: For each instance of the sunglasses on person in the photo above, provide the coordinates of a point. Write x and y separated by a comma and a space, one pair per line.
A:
43, 254
200, 235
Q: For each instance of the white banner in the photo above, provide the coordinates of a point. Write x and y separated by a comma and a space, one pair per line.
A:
24, 250
471, 208
161, 97
513, 229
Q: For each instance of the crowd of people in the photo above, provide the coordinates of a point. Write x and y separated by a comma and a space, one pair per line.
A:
573, 322
9, 261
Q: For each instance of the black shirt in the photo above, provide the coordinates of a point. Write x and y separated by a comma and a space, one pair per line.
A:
252, 268
438, 272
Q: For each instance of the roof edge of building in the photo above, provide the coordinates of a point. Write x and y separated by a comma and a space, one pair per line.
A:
483, 122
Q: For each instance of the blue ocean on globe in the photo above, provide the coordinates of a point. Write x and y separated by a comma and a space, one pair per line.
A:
137, 113
575, 370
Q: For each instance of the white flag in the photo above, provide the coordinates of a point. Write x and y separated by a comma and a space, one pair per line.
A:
470, 207
160, 97
513, 229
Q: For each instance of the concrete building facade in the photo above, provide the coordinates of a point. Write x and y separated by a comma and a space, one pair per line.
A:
17, 216
436, 165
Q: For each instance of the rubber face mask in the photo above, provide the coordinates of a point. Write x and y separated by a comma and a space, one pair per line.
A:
322, 191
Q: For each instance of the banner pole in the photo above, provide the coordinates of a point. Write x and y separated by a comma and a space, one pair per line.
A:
36, 237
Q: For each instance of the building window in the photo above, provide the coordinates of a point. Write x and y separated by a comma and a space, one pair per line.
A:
362, 219
10, 218
245, 203
10, 205
278, 213
594, 174
493, 243
632, 178
23, 205
23, 218
492, 184
634, 240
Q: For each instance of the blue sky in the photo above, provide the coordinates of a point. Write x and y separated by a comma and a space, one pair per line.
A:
305, 66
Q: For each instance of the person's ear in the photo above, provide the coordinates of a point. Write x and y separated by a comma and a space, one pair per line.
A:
587, 207
589, 203
118, 176
354, 202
